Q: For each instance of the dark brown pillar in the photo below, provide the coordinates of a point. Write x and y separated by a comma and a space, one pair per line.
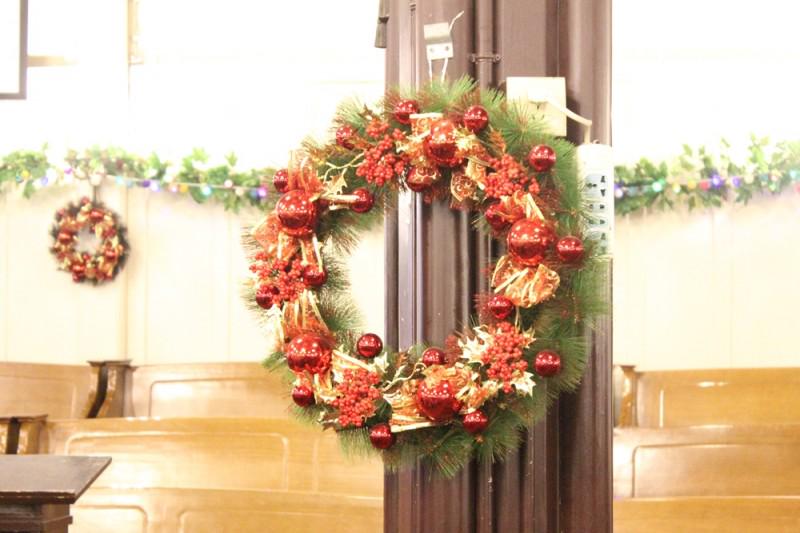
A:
434, 265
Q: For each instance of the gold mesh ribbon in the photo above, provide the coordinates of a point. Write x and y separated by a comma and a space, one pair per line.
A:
524, 286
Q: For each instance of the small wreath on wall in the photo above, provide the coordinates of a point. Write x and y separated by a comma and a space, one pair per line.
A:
93, 266
470, 395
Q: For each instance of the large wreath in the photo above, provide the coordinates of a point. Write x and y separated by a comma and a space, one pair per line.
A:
472, 392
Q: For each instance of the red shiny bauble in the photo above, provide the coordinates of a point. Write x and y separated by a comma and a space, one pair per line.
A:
364, 202
496, 218
96, 215
475, 422
437, 402
308, 352
110, 254
264, 298
500, 306
78, 272
440, 146
475, 118
369, 345
344, 136
528, 240
64, 237
281, 180
381, 436
541, 158
297, 213
420, 179
314, 276
303, 395
547, 363
433, 356
404, 109
570, 249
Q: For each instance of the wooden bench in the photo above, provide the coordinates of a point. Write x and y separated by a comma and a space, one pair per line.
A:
698, 397
215, 389
708, 515
60, 391
759, 460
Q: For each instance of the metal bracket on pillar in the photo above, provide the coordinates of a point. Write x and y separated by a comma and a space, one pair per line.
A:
475, 58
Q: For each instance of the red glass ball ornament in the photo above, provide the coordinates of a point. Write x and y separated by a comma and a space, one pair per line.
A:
475, 422
96, 215
110, 254
264, 298
64, 237
308, 352
433, 356
281, 180
303, 395
344, 136
297, 213
369, 345
570, 249
528, 240
404, 109
547, 363
440, 146
500, 306
381, 436
476, 118
541, 158
364, 202
437, 402
420, 179
495, 218
314, 276
78, 272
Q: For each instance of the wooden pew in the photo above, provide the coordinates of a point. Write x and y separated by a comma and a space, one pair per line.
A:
708, 515
60, 391
216, 389
759, 460
163, 510
697, 397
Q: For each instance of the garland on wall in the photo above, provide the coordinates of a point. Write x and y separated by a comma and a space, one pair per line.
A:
699, 179
470, 394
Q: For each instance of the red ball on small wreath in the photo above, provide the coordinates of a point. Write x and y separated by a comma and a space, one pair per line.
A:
369, 345
381, 436
107, 259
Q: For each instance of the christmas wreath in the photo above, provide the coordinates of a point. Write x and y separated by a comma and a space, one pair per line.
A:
471, 394
112, 249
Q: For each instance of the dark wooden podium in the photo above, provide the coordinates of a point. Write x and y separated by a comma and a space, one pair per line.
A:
37, 490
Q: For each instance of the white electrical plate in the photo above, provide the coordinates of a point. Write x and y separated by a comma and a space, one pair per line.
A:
438, 42
534, 91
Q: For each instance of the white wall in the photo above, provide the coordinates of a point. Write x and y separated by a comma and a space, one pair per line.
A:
708, 288
244, 76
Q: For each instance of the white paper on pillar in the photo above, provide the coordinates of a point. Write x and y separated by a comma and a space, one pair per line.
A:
596, 166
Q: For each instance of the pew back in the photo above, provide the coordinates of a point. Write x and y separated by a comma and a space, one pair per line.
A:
59, 391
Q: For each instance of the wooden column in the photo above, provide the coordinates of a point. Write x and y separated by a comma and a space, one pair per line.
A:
434, 265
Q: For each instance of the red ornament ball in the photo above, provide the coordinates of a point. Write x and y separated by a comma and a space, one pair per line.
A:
440, 145
314, 276
297, 213
500, 306
381, 436
96, 215
78, 272
308, 352
281, 180
303, 395
369, 345
404, 109
433, 356
476, 118
495, 217
264, 298
345, 135
364, 202
528, 241
437, 401
110, 254
475, 422
547, 363
570, 249
64, 237
542, 158
420, 179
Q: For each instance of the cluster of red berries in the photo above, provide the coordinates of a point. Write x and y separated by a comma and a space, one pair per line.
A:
509, 176
376, 128
380, 164
280, 280
356, 396
504, 355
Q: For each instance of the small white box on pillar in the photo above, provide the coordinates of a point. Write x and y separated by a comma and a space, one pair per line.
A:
596, 165
536, 92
